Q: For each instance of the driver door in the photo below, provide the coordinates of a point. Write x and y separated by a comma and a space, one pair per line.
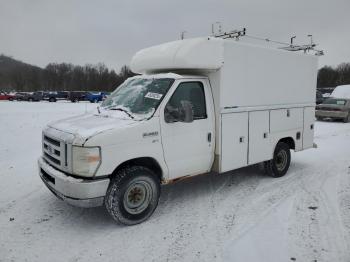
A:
188, 147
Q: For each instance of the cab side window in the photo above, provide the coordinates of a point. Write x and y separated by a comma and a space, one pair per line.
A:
192, 92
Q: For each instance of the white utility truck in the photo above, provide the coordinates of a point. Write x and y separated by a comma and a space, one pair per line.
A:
202, 105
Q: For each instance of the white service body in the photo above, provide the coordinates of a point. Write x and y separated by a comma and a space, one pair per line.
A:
254, 97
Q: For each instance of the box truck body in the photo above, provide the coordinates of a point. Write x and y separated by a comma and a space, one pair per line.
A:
260, 94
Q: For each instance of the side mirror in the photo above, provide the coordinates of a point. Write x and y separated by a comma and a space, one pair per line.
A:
186, 112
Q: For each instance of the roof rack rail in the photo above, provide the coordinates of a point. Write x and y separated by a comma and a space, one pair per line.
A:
232, 34
236, 34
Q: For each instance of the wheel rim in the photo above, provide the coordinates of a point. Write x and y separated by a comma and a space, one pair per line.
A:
281, 160
137, 197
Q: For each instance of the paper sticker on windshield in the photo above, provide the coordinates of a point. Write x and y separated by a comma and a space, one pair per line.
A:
154, 95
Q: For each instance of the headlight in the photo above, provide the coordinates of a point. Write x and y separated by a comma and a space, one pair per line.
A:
86, 160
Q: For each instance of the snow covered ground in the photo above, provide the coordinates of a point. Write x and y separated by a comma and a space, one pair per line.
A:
242, 216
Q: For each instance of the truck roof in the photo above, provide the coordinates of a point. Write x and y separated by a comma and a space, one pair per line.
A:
204, 53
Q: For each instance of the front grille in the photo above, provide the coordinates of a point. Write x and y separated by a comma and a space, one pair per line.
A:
52, 141
57, 162
55, 152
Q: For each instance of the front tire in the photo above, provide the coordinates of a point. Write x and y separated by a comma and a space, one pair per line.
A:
133, 195
278, 166
347, 119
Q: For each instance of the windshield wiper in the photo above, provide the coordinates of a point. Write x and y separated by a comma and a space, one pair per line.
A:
123, 110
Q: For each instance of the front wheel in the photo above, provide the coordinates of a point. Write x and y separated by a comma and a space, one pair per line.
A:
278, 166
133, 195
347, 119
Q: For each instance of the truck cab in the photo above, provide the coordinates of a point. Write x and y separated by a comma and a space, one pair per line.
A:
183, 116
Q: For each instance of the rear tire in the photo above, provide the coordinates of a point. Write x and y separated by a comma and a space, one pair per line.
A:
132, 195
52, 99
278, 166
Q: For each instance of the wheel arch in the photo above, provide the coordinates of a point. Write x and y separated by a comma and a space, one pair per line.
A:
148, 162
288, 140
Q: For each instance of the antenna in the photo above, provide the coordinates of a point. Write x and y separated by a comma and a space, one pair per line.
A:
213, 28
291, 40
183, 35
311, 41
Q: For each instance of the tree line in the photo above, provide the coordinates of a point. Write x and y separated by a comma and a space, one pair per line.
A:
333, 76
18, 76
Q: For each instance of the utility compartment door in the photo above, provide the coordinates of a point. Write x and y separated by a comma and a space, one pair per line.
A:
308, 132
259, 144
286, 119
234, 141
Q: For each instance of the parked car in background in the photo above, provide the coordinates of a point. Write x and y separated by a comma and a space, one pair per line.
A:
76, 96
319, 97
6, 96
334, 108
34, 96
95, 97
53, 96
21, 96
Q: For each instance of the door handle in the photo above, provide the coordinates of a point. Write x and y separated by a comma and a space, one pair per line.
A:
209, 137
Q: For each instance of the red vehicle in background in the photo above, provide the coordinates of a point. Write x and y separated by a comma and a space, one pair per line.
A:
5, 96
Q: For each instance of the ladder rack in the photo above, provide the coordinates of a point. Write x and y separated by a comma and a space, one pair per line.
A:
236, 34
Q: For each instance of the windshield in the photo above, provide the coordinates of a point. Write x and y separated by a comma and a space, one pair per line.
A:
334, 101
138, 96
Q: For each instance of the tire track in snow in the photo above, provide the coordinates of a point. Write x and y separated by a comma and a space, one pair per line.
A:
317, 230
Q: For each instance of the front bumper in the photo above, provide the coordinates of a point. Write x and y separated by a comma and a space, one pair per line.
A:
331, 114
75, 191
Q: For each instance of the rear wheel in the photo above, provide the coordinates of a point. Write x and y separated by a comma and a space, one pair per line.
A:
52, 99
133, 195
278, 166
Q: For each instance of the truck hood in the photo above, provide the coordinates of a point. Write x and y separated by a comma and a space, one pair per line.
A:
86, 126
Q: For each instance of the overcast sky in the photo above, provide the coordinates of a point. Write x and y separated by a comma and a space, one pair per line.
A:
111, 31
